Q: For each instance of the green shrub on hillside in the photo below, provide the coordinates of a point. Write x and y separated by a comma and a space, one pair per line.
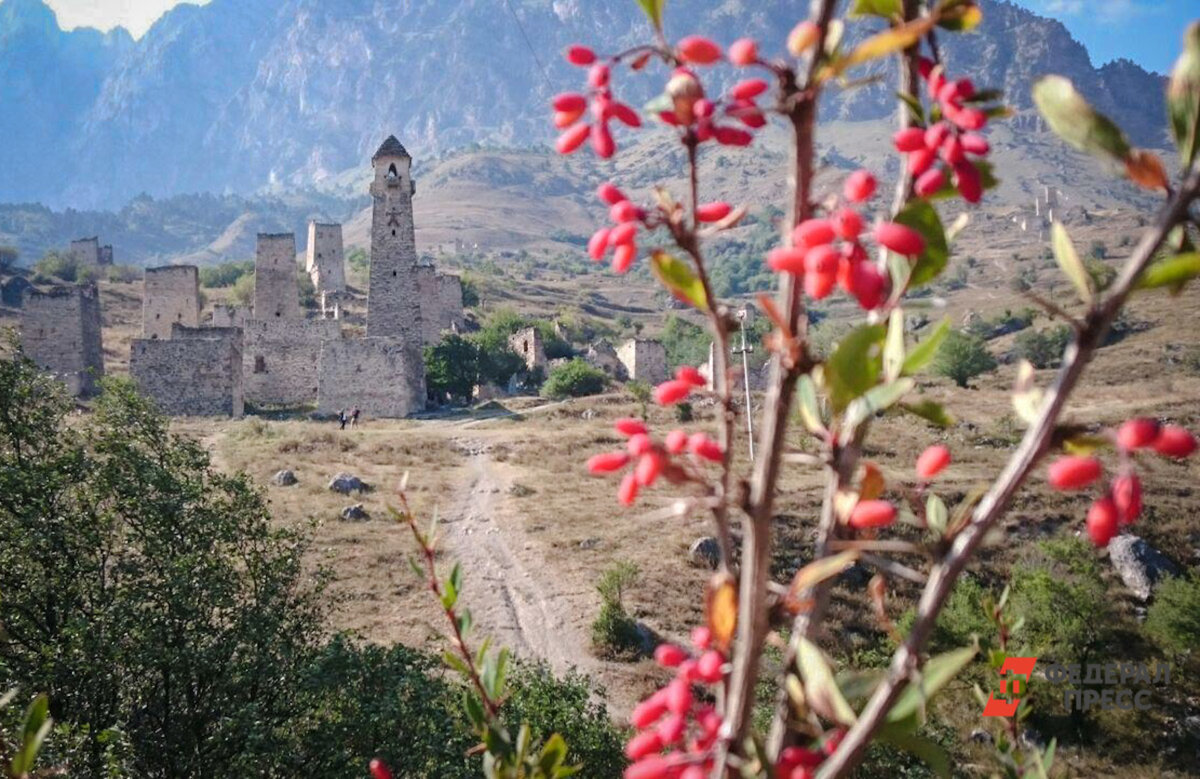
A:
226, 274
1043, 348
574, 379
962, 357
1173, 620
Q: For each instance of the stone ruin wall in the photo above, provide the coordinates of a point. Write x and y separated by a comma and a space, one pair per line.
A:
280, 359
383, 377
194, 372
644, 360
60, 331
229, 316
441, 303
86, 251
325, 259
170, 296
527, 343
276, 293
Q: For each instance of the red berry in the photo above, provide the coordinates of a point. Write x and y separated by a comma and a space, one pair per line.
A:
859, 187
679, 696
732, 136
713, 212
1102, 521
628, 426
580, 55
936, 134
869, 285
709, 668
699, 50
623, 257
1174, 441
648, 468
813, 232
609, 194
671, 392
1073, 472
1127, 497
743, 51
705, 448
802, 37
652, 767
750, 88
602, 140
1137, 433
872, 513
691, 375
564, 119
598, 75
627, 492
848, 224
669, 655
786, 260
909, 139
822, 260
648, 742
703, 108
932, 461
695, 771
968, 118
569, 101
598, 245
671, 729
648, 711
625, 211
607, 462
676, 441
900, 238
379, 769
622, 233
929, 182
970, 185
625, 115
952, 151
921, 160
974, 143
701, 637
572, 139
818, 285
638, 444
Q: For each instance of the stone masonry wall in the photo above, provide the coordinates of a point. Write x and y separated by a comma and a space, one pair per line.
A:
229, 316
325, 259
280, 359
441, 303
86, 250
60, 331
527, 344
383, 377
644, 360
276, 293
393, 305
195, 372
170, 296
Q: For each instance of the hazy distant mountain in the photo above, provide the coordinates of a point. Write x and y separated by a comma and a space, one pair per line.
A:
237, 94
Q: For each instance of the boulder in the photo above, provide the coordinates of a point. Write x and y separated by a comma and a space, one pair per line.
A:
355, 513
1140, 565
284, 478
705, 553
346, 483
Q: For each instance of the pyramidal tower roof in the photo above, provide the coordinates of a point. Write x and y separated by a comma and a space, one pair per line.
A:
391, 148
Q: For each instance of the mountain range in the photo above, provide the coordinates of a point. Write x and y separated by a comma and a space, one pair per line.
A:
245, 96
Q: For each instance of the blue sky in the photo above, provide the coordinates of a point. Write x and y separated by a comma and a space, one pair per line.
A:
1146, 31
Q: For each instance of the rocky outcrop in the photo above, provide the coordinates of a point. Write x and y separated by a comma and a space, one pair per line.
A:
1140, 566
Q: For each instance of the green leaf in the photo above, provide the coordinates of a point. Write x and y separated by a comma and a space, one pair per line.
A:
1068, 260
888, 9
820, 688
853, 368
679, 279
936, 674
931, 411
915, 109
1173, 272
876, 399
922, 217
474, 708
921, 355
883, 43
455, 662
554, 754
893, 345
1076, 122
936, 514
654, 11
959, 15
37, 727
810, 410
1183, 97
930, 752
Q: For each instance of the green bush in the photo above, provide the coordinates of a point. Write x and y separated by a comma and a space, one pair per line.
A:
308, 290
1043, 348
1102, 273
64, 267
359, 260
642, 394
452, 367
124, 274
243, 291
614, 633
226, 274
575, 379
1173, 620
962, 618
962, 357
684, 342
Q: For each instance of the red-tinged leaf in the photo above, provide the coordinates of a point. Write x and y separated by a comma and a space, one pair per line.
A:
720, 610
1146, 170
679, 279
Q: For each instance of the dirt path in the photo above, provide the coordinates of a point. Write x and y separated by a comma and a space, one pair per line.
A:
510, 599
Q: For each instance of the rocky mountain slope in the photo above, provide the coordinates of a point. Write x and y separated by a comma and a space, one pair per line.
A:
242, 94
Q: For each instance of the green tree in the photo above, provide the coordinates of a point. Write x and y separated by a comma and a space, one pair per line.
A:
243, 291
962, 357
574, 379
452, 367
226, 274
684, 342
1043, 348
8, 258
64, 267
308, 290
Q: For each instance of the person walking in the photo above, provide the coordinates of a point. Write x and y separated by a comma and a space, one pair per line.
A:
342, 418
354, 417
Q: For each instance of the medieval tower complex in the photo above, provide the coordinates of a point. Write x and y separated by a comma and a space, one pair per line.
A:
325, 259
394, 305
276, 293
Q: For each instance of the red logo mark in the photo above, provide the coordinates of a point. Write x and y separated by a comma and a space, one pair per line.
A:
1005, 705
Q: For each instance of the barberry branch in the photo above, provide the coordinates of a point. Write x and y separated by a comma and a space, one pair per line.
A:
1033, 445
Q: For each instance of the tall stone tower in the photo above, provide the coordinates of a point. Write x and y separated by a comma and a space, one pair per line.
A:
325, 260
276, 293
393, 303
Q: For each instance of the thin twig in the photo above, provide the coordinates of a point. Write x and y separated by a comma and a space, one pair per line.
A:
993, 505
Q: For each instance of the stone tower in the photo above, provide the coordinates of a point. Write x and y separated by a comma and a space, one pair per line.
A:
393, 303
325, 261
60, 331
170, 295
276, 293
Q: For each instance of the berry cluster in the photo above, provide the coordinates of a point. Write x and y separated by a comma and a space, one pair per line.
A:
946, 146
873, 514
570, 107
652, 459
828, 252
1121, 502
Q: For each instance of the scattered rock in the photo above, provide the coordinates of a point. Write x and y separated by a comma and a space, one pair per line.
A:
284, 478
855, 577
981, 736
1192, 725
705, 553
588, 413
1140, 565
355, 513
1032, 739
346, 484
589, 543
